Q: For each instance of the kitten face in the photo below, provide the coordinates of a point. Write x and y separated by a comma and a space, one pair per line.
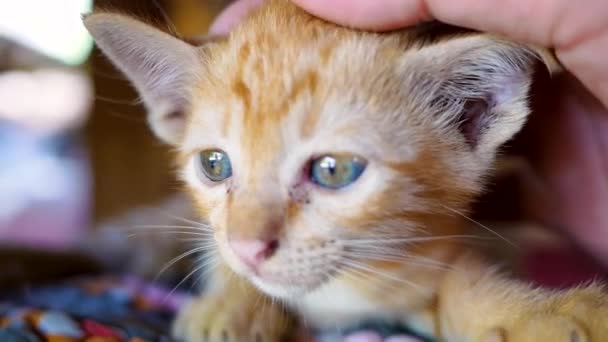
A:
310, 147
274, 122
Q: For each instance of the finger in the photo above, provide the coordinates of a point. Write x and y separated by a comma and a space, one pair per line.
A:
232, 16
368, 14
586, 58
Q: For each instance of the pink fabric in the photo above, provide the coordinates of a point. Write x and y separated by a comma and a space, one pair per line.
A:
561, 267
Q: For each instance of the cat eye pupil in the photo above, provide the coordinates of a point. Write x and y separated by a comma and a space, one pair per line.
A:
336, 171
215, 165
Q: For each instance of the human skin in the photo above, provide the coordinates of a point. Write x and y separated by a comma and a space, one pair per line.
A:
567, 184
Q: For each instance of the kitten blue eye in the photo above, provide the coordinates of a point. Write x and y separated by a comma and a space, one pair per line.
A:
336, 171
215, 165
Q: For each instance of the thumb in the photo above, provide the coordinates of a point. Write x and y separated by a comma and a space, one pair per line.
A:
377, 15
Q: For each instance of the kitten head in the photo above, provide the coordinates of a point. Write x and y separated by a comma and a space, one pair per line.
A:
310, 147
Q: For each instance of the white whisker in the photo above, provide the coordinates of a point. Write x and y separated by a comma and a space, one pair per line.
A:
176, 260
364, 268
405, 259
207, 241
210, 264
368, 280
200, 227
398, 240
183, 219
492, 231
167, 233
200, 267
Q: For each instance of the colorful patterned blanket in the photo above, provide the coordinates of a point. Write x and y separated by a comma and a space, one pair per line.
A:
115, 309
101, 309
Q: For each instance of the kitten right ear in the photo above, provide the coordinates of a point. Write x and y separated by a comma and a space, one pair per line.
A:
477, 85
162, 68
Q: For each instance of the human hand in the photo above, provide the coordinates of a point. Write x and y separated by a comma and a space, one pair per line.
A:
567, 135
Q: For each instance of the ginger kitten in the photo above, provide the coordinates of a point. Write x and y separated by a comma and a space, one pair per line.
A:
334, 167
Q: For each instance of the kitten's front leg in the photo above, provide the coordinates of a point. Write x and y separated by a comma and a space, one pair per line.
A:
477, 304
232, 310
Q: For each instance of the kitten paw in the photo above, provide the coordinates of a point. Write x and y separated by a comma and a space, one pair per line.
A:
540, 328
224, 318
576, 316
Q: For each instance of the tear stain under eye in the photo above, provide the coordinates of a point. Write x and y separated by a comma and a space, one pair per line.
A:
299, 192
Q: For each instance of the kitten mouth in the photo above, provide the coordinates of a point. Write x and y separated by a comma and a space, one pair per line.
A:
289, 286
287, 290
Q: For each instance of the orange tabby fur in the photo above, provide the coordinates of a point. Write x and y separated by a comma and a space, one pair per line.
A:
284, 87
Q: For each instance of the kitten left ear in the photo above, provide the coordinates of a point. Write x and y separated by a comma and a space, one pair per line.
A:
479, 85
162, 68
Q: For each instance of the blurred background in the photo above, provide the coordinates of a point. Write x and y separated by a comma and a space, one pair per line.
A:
74, 146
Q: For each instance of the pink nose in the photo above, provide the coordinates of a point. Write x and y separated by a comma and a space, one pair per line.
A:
254, 252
